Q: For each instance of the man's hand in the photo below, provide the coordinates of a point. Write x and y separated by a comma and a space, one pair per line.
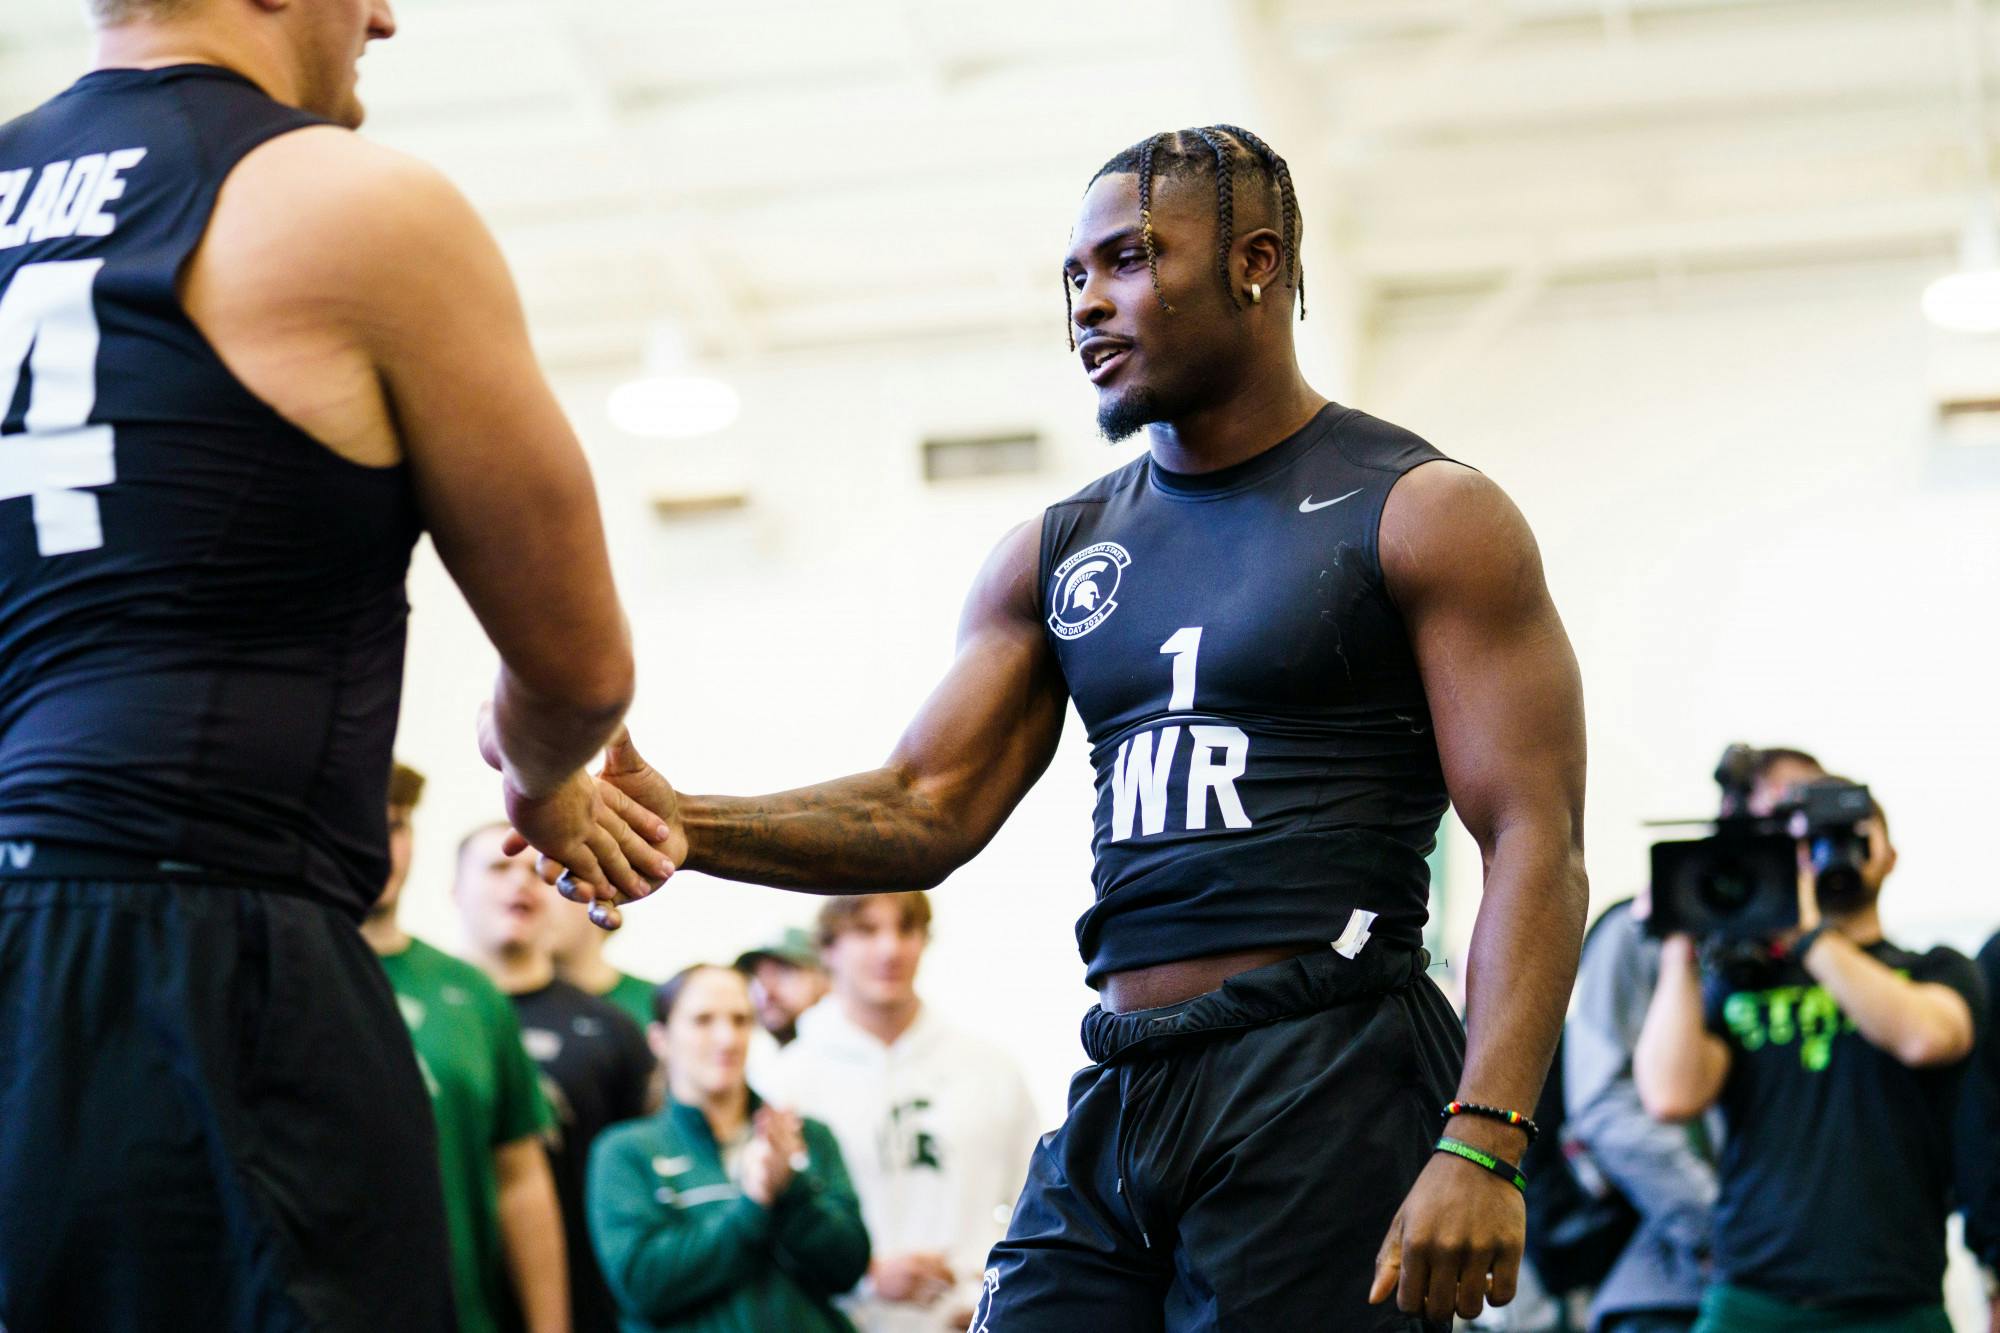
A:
573, 826
1455, 1243
636, 791
600, 837
1808, 887
918, 1278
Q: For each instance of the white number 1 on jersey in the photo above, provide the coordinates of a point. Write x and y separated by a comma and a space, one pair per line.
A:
48, 327
1185, 646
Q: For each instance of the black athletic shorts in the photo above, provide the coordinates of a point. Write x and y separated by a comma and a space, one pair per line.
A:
1234, 1162
211, 1118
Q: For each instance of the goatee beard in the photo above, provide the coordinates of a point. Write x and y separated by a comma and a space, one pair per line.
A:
1121, 417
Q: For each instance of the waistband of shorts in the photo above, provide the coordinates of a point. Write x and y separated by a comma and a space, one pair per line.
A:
1305, 984
43, 859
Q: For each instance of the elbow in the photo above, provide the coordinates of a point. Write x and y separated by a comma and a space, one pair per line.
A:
601, 690
1668, 1099
1672, 1106
851, 1266
1931, 1048
594, 691
940, 829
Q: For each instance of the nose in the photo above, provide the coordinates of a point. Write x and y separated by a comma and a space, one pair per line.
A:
382, 22
1092, 306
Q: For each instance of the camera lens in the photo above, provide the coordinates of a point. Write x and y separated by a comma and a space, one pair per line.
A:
1837, 860
1727, 887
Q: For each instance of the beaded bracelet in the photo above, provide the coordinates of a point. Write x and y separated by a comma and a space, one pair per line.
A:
1503, 1169
1514, 1118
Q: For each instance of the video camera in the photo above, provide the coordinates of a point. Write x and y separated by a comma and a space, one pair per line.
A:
1742, 882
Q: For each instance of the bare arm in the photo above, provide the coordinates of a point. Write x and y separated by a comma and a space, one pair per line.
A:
532, 1235
356, 292
1678, 1065
977, 745
1920, 1023
1507, 707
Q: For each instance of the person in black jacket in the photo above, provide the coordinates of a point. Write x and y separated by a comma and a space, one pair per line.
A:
1979, 1146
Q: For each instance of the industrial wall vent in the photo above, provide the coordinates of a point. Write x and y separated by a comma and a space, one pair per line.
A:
957, 458
683, 505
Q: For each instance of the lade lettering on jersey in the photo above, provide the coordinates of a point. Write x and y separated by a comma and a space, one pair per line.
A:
67, 198
1084, 589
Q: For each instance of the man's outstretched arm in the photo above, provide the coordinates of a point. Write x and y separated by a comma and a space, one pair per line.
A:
1507, 707
977, 745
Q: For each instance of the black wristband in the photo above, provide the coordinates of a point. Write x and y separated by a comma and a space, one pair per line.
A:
1498, 1166
1804, 943
1505, 1117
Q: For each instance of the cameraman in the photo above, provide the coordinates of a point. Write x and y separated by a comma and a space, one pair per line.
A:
1837, 1059
1979, 1145
1665, 1172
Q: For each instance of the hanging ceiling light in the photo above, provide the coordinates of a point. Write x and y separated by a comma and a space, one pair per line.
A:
1968, 301
672, 401
673, 407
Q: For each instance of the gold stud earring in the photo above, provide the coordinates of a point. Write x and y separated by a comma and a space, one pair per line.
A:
1256, 293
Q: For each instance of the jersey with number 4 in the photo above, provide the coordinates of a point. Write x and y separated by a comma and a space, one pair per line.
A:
201, 608
1266, 772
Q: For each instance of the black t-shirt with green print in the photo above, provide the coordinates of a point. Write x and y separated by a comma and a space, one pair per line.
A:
1837, 1166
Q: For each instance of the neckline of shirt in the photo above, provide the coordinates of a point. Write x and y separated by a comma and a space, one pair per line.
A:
1251, 471
142, 73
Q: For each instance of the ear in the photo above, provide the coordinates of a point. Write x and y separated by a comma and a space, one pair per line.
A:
1259, 257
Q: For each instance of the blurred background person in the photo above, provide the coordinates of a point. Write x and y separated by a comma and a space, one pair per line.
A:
595, 1066
577, 945
935, 1123
786, 979
508, 1270
1979, 1142
1837, 1059
1664, 1171
722, 1214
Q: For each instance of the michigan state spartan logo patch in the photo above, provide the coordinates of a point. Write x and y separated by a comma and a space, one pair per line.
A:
1084, 591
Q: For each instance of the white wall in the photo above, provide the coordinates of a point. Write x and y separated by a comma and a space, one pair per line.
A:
1751, 534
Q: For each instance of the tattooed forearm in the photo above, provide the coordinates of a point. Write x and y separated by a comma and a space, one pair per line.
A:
868, 833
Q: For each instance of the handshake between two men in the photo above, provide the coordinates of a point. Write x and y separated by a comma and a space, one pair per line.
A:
604, 841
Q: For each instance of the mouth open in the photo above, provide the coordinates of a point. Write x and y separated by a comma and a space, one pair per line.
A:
1103, 356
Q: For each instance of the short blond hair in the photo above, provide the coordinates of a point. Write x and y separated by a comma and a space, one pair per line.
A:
913, 912
110, 13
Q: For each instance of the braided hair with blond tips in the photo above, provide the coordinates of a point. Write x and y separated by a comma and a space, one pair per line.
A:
1227, 151
1225, 208
1288, 205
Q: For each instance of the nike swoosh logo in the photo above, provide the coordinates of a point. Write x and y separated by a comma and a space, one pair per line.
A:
1306, 506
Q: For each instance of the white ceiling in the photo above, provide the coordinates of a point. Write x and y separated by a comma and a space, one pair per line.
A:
779, 174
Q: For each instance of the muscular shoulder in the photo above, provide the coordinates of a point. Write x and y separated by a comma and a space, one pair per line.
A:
322, 213
1371, 442
1004, 592
1449, 530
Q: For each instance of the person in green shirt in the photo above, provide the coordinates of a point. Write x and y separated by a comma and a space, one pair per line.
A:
580, 960
721, 1214
508, 1266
